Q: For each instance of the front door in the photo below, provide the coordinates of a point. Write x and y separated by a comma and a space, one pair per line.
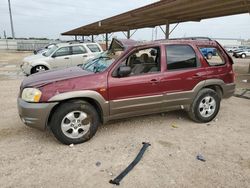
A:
61, 58
137, 93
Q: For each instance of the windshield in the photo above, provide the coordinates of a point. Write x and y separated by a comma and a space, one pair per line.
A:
100, 63
50, 51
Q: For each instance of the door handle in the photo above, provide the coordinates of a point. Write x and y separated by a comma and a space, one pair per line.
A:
84, 56
66, 58
196, 76
154, 81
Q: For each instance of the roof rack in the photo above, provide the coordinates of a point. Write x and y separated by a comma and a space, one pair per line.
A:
192, 38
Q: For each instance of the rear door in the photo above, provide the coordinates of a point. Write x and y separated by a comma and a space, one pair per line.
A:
79, 55
183, 72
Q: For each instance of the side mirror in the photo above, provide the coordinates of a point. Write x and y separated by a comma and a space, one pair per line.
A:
54, 55
124, 71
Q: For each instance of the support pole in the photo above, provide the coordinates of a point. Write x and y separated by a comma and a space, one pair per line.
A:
107, 40
92, 38
75, 37
128, 34
167, 31
83, 38
11, 21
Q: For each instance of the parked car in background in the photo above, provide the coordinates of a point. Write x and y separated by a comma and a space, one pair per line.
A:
44, 49
130, 79
242, 50
60, 55
208, 52
230, 49
243, 53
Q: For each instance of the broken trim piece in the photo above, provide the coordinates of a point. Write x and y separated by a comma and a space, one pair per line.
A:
117, 180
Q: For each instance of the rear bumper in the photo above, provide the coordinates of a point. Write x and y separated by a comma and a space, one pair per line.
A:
34, 114
228, 90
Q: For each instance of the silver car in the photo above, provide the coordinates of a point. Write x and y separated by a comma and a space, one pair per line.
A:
60, 56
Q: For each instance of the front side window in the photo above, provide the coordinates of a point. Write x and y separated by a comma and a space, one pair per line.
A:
78, 50
212, 55
62, 52
144, 61
180, 57
93, 48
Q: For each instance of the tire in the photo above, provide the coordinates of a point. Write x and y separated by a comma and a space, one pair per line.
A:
205, 106
74, 122
38, 68
209, 56
243, 56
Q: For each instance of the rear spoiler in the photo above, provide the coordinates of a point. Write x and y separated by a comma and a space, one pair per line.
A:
229, 57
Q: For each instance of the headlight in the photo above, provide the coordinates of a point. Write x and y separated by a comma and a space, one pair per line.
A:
31, 94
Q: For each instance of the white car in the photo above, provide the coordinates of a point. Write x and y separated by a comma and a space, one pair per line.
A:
60, 56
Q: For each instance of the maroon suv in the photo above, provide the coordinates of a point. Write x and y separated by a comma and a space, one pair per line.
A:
129, 79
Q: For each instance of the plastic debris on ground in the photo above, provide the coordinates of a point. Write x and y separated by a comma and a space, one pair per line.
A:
200, 158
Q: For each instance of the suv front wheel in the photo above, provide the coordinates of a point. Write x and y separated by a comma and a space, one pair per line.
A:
205, 106
74, 122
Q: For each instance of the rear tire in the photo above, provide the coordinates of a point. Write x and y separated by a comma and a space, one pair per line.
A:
243, 56
205, 106
209, 56
74, 122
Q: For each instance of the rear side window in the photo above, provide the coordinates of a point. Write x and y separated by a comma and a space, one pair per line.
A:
78, 50
180, 57
93, 48
212, 55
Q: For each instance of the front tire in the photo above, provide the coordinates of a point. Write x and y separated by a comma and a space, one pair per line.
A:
74, 122
38, 68
205, 106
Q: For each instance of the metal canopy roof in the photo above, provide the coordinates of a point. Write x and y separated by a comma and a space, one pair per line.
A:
164, 12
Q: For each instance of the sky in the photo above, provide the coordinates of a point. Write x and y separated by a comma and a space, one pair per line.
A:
49, 18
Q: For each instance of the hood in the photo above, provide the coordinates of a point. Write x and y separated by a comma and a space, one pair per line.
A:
43, 78
121, 44
39, 56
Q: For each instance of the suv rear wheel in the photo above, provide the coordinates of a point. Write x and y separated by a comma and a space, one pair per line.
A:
205, 106
74, 122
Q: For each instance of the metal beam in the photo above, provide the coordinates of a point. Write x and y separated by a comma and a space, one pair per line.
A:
167, 31
128, 34
107, 41
92, 38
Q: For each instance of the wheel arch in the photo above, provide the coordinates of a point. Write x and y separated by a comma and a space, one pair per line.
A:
91, 101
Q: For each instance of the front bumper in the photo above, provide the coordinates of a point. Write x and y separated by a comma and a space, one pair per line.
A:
35, 114
26, 68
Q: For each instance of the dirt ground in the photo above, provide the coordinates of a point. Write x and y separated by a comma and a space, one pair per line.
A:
31, 158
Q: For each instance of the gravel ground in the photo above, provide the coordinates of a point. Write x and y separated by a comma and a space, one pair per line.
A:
31, 158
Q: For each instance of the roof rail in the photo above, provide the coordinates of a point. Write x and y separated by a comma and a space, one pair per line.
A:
192, 38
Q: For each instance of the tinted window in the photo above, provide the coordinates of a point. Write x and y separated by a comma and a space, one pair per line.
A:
78, 50
93, 48
180, 57
63, 51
